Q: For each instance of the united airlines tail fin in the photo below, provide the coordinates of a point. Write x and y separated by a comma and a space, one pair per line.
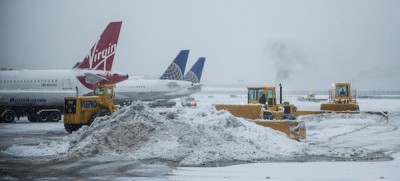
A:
194, 74
101, 55
176, 70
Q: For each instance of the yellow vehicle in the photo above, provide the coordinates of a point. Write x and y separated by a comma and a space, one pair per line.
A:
342, 99
262, 108
79, 111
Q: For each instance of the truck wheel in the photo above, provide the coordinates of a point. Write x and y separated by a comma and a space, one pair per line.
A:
43, 117
54, 117
8, 117
98, 113
72, 127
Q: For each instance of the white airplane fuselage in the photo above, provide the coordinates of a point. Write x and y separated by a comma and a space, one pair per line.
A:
181, 93
133, 90
47, 87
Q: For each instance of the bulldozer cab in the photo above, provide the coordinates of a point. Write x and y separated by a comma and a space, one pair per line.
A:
262, 95
342, 94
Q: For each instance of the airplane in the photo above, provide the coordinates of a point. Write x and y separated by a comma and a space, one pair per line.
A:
193, 76
144, 89
39, 94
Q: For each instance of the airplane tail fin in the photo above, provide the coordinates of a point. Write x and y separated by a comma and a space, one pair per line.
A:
194, 74
176, 70
101, 55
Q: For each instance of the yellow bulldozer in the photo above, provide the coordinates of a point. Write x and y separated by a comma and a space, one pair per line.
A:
342, 99
79, 111
263, 109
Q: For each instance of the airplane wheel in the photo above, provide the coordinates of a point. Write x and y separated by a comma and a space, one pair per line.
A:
8, 117
54, 117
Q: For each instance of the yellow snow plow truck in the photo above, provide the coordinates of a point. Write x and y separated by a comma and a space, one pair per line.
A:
79, 111
263, 109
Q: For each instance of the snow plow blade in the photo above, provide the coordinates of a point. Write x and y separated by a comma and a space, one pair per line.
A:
292, 129
384, 114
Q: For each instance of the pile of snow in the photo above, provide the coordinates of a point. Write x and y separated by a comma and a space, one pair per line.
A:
201, 136
190, 137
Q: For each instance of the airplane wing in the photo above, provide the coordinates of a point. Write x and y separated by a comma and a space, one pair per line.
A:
93, 78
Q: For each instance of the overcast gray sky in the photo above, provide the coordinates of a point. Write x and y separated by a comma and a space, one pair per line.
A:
306, 45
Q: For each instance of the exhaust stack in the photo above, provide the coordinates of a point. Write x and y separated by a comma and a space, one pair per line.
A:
280, 93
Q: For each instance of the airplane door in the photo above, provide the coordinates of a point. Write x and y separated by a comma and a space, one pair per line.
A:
67, 82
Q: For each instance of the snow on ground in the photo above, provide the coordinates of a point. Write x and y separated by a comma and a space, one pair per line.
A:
25, 126
300, 171
43, 149
204, 136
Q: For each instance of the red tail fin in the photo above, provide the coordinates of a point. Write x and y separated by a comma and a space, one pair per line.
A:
101, 55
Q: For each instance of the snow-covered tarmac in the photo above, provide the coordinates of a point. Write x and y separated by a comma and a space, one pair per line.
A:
137, 143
